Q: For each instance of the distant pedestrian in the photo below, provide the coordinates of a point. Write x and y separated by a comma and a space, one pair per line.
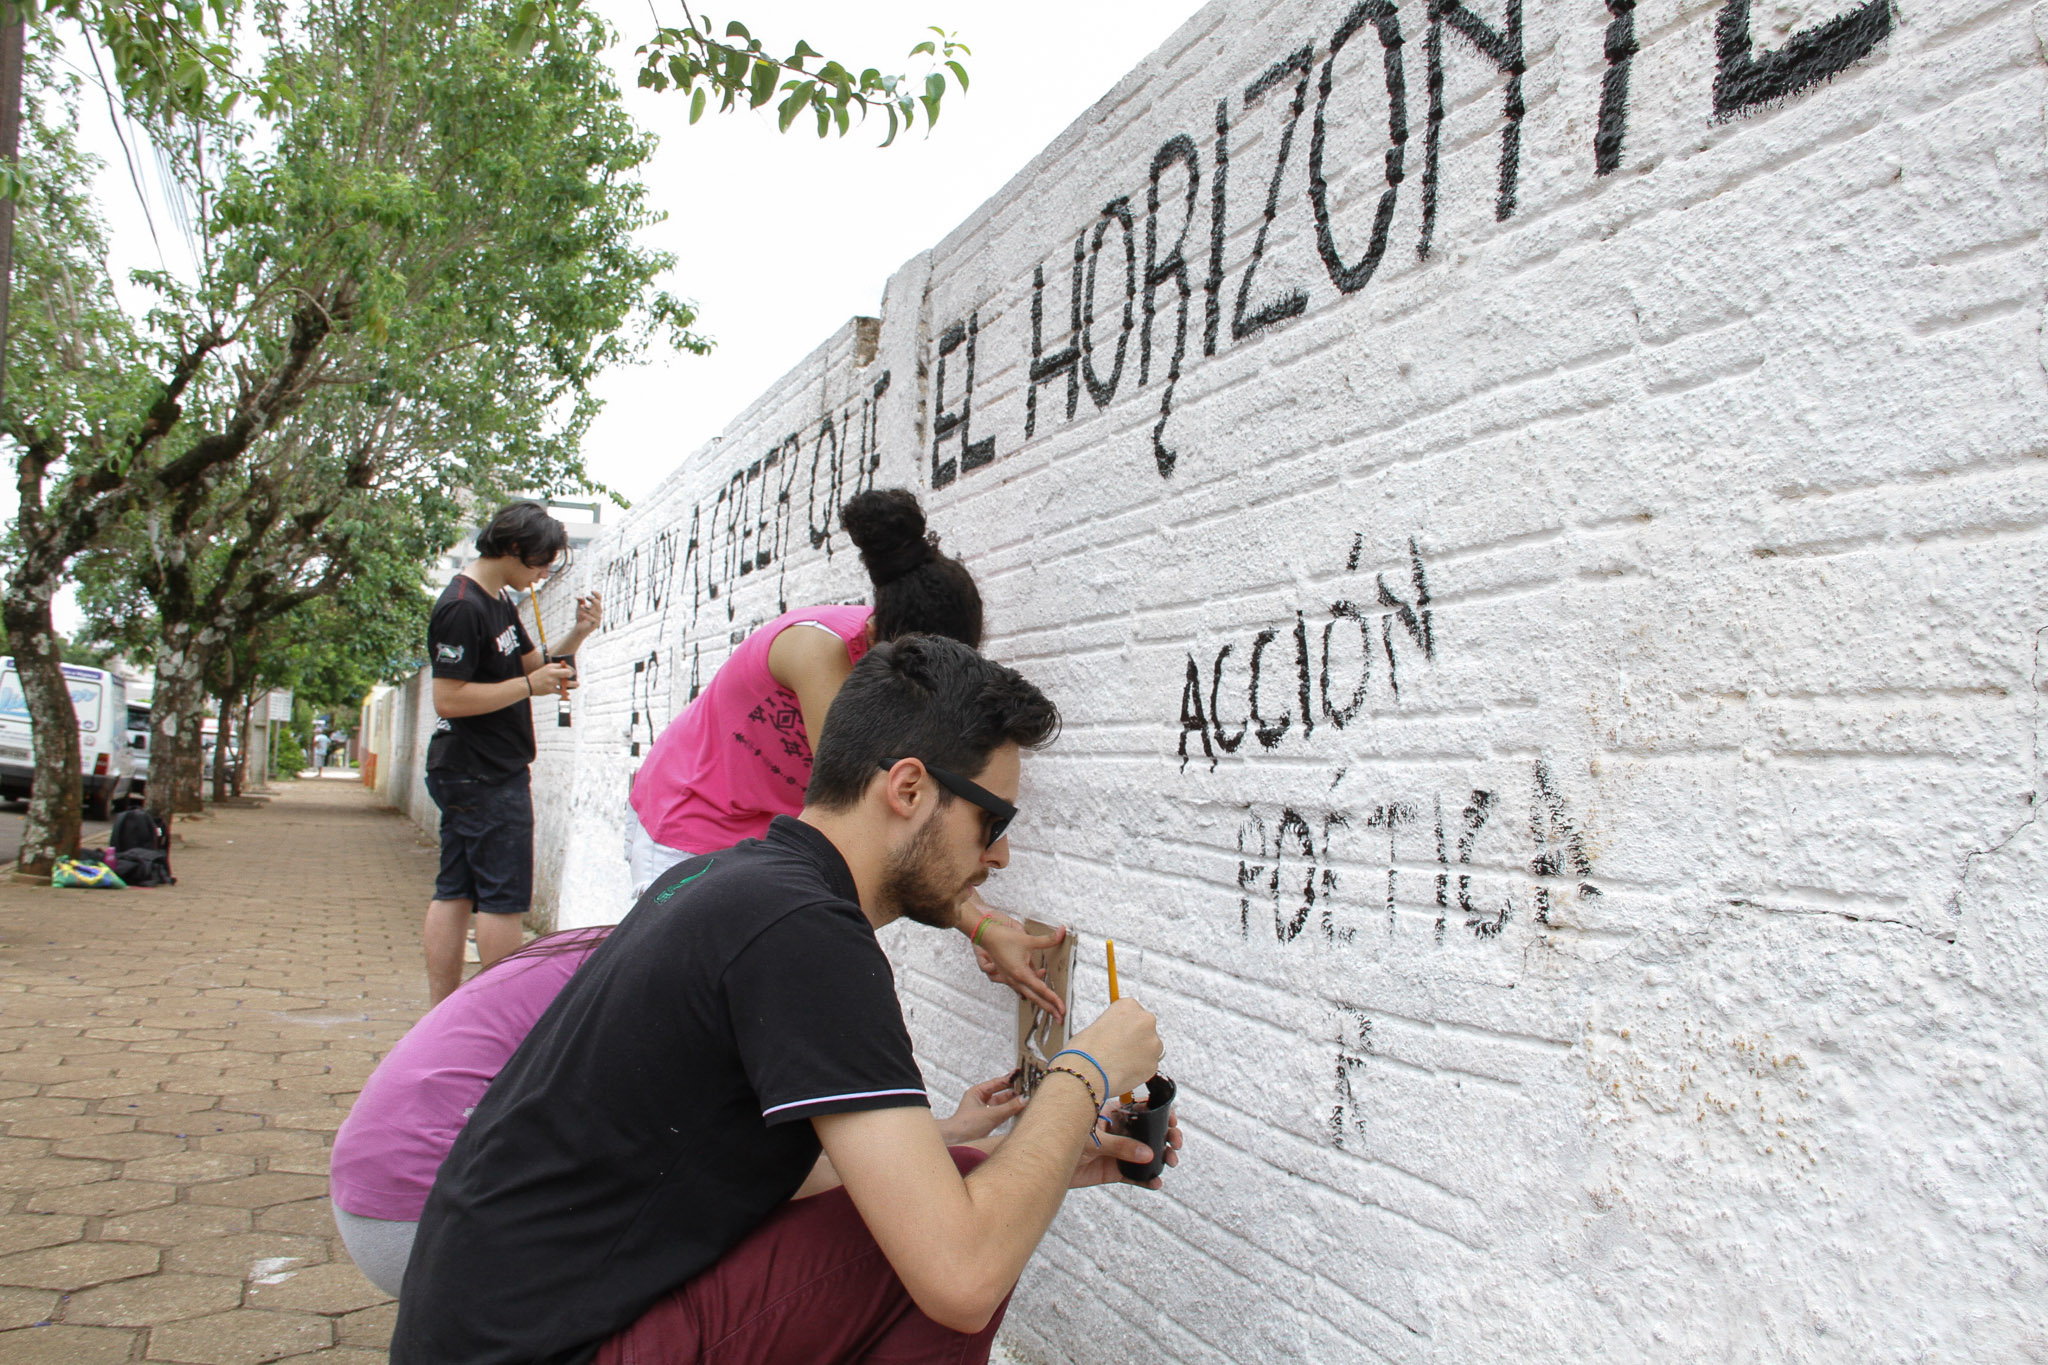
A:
320, 743
486, 671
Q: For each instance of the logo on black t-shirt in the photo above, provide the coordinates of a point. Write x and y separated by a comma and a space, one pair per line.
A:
449, 654
508, 640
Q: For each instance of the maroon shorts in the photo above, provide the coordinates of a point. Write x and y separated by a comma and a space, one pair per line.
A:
807, 1287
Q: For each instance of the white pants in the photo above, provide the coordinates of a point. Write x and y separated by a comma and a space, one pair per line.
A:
645, 859
380, 1247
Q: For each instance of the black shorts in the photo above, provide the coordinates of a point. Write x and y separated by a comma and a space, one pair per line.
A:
486, 841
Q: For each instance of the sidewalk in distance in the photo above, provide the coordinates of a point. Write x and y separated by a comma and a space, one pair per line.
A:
173, 1065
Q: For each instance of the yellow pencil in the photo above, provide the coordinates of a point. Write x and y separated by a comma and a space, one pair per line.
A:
1109, 945
539, 624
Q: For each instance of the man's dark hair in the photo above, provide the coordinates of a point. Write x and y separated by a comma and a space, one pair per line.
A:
929, 698
918, 588
525, 530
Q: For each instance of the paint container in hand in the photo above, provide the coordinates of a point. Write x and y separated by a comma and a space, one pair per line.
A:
1146, 1120
562, 715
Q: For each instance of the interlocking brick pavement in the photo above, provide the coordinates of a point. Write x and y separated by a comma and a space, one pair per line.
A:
173, 1065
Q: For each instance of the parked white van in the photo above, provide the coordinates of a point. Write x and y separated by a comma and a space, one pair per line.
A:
101, 700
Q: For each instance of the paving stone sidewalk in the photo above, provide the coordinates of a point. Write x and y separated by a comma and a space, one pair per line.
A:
173, 1065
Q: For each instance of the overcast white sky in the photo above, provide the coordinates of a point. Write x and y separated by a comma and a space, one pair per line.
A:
781, 237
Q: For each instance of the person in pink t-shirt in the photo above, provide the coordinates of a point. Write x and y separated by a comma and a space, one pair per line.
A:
740, 754
416, 1102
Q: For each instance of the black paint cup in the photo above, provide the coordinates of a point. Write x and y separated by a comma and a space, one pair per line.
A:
1146, 1120
563, 716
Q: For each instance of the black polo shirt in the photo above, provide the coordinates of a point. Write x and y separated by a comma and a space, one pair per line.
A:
659, 1110
476, 636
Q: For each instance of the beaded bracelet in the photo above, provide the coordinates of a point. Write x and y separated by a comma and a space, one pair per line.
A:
1087, 1085
1076, 1052
975, 939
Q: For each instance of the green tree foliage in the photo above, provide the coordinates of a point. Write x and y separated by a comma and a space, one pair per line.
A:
732, 68
408, 281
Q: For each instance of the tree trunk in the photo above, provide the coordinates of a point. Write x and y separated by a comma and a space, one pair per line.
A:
51, 831
242, 745
174, 758
223, 734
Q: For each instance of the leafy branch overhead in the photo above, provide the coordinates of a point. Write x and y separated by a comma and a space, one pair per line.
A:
734, 66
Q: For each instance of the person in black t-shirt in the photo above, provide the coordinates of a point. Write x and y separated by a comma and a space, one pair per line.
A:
486, 671
643, 1179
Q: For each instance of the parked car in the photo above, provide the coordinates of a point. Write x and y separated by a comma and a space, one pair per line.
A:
101, 701
138, 746
209, 738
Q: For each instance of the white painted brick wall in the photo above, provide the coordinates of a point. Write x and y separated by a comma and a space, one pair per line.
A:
1650, 965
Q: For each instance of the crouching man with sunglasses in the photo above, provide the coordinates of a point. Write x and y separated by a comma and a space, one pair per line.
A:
644, 1179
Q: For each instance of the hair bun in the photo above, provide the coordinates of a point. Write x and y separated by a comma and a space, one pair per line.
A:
887, 526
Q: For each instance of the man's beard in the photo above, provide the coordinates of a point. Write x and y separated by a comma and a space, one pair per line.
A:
912, 883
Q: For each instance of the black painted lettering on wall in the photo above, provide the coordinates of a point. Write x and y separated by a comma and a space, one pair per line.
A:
1354, 1046
1177, 151
1502, 47
646, 677
1116, 212
1560, 847
1290, 876
747, 526
1067, 360
1294, 302
973, 454
1381, 15
1288, 861
1483, 924
1390, 817
1744, 79
1192, 718
1218, 204
1340, 716
1268, 731
1227, 743
1621, 51
848, 469
1414, 617
1308, 716
1320, 674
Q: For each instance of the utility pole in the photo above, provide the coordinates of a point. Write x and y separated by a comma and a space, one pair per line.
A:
13, 34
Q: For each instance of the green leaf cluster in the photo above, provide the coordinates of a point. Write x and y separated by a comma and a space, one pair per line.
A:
732, 68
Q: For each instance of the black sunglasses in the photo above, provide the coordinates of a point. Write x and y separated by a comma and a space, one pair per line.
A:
1000, 812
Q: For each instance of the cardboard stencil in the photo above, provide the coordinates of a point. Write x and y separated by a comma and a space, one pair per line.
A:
1039, 1033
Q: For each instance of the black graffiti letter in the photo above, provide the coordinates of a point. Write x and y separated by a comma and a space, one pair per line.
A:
1289, 929
1118, 211
1295, 302
1191, 717
973, 453
1504, 49
1213, 286
1414, 619
1066, 360
1621, 50
1339, 611
1228, 743
1560, 848
1269, 733
1746, 79
1352, 278
1157, 272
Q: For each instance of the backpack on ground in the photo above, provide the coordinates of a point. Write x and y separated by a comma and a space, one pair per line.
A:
142, 849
